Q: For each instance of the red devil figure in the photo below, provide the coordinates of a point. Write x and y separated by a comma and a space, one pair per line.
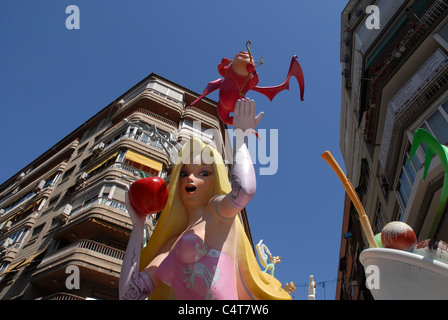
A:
240, 76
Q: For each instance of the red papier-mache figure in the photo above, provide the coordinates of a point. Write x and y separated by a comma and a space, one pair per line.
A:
240, 77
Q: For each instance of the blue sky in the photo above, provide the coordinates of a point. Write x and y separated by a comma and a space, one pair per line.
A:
53, 79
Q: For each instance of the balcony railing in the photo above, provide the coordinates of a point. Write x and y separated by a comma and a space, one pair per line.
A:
100, 248
144, 140
100, 200
63, 296
89, 245
400, 52
115, 204
434, 12
120, 165
163, 95
138, 137
134, 171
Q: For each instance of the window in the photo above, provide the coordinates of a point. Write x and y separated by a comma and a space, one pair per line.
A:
81, 149
69, 192
399, 214
442, 36
407, 177
102, 165
18, 236
166, 91
111, 194
116, 137
195, 129
53, 179
86, 199
141, 131
3, 266
25, 212
68, 173
142, 163
54, 200
36, 231
86, 161
21, 200
436, 124
380, 220
138, 131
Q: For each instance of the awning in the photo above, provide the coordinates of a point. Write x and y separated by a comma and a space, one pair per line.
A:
33, 205
103, 162
132, 156
22, 263
391, 35
25, 210
30, 259
12, 267
107, 225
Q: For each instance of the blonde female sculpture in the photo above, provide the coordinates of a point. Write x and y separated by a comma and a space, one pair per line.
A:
199, 249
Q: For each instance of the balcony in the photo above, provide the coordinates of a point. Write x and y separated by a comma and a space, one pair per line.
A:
118, 206
395, 55
120, 164
63, 296
59, 161
412, 38
25, 217
117, 169
18, 203
144, 140
152, 100
138, 142
195, 114
102, 219
98, 264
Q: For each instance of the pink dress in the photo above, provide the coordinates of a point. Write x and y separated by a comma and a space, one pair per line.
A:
197, 272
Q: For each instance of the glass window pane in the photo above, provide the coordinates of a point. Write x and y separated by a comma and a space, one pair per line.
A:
445, 106
439, 127
424, 146
405, 183
403, 195
119, 193
416, 162
410, 171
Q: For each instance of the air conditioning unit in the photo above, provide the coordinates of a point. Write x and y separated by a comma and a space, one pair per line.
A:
98, 148
5, 226
120, 103
64, 213
6, 244
67, 209
40, 186
82, 177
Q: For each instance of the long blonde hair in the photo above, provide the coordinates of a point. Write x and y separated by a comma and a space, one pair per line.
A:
173, 221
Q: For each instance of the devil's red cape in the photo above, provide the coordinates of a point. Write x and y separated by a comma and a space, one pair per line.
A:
234, 87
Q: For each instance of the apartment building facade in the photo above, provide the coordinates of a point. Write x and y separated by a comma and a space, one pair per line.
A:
63, 223
394, 59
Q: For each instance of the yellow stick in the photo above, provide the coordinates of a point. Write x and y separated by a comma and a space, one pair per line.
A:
328, 157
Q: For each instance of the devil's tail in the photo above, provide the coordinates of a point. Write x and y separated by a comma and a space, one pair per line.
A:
294, 70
